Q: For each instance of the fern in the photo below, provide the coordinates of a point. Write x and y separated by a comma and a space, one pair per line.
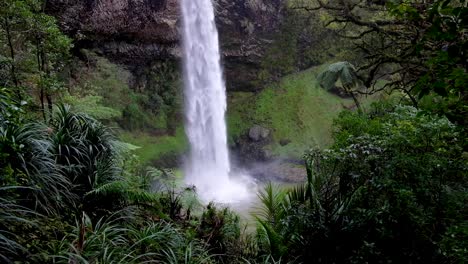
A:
272, 199
93, 106
128, 194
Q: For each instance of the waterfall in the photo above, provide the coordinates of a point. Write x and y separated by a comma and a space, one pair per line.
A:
208, 166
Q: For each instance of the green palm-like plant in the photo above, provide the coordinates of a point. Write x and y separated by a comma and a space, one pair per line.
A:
346, 73
84, 147
26, 158
31, 186
102, 242
313, 207
160, 242
85, 152
272, 211
192, 253
328, 192
12, 215
118, 239
272, 200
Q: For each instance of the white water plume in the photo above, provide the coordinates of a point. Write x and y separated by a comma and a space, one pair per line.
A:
208, 166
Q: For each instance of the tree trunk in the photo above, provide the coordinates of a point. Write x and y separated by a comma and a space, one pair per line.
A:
49, 103
356, 101
411, 97
46, 71
40, 65
41, 97
13, 58
353, 95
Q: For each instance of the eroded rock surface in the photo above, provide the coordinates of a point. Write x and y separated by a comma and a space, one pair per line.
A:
137, 32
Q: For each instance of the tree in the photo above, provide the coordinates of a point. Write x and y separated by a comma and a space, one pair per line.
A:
346, 74
33, 38
418, 47
52, 50
13, 24
26, 161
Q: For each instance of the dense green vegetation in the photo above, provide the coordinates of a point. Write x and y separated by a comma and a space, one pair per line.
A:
392, 188
386, 172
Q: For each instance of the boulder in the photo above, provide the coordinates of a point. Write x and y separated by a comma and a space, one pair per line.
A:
284, 142
258, 133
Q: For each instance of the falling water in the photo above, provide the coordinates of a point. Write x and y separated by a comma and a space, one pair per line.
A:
208, 167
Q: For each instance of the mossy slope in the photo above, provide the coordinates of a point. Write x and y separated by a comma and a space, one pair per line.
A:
296, 110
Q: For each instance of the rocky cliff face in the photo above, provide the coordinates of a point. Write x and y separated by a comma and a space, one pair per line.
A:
139, 32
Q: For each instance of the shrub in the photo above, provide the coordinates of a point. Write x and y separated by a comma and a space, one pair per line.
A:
393, 191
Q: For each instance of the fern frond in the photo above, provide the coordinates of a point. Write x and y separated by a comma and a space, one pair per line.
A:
272, 200
274, 240
124, 190
298, 194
